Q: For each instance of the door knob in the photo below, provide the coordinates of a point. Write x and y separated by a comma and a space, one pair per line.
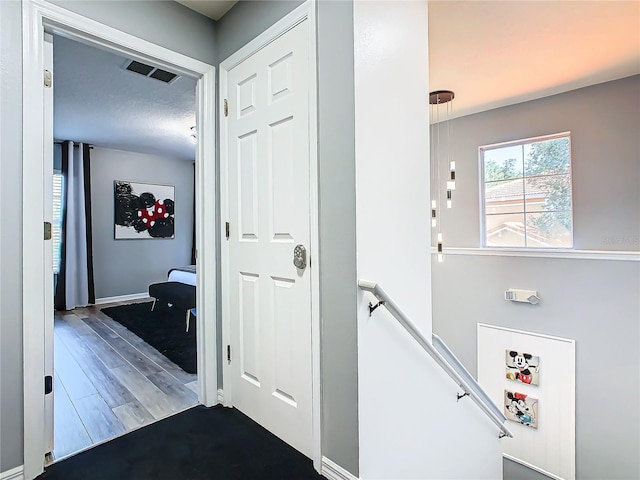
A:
300, 257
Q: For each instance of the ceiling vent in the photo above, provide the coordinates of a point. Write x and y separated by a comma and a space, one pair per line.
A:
150, 71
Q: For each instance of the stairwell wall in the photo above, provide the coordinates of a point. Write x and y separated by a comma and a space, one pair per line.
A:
411, 425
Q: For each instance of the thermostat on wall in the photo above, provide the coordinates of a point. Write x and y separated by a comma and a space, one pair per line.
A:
526, 296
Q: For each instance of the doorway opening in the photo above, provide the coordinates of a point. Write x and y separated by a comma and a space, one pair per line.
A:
38, 290
118, 363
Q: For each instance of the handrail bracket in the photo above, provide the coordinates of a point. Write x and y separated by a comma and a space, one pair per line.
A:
458, 396
372, 307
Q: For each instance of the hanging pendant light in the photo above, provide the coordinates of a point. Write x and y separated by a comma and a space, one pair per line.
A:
434, 213
437, 100
451, 184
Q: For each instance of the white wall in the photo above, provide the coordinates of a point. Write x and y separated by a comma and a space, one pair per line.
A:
410, 423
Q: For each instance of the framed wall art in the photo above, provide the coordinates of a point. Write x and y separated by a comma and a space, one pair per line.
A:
522, 367
531, 376
522, 408
143, 210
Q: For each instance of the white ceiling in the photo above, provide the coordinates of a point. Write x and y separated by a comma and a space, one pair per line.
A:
210, 8
97, 101
490, 53
496, 53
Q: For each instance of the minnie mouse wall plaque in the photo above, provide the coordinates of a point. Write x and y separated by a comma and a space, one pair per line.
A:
521, 408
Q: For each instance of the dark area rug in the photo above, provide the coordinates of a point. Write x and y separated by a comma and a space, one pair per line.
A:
199, 444
163, 329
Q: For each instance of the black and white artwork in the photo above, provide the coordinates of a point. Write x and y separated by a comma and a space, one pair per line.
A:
143, 210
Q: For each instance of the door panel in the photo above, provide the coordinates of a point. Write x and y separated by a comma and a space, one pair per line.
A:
268, 199
248, 185
249, 328
284, 339
281, 180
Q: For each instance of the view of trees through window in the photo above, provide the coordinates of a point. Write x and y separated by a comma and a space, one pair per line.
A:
527, 193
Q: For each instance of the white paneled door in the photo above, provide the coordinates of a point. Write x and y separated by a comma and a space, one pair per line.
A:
269, 215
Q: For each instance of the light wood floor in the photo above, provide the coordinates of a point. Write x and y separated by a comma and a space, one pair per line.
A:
107, 381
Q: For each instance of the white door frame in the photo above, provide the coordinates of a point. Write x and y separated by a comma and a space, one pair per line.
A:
36, 15
306, 11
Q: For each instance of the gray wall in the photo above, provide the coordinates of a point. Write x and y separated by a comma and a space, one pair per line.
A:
123, 267
244, 22
336, 153
11, 396
603, 120
165, 23
595, 302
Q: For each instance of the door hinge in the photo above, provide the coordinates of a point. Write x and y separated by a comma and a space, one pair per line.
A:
226, 230
48, 384
48, 78
47, 230
229, 353
226, 108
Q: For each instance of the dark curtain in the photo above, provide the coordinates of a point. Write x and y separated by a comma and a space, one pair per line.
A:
193, 233
75, 286
88, 221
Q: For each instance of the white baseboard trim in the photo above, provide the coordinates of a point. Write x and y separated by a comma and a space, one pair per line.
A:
220, 396
13, 474
121, 298
333, 471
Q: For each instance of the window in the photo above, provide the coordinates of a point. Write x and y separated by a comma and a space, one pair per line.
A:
57, 220
526, 193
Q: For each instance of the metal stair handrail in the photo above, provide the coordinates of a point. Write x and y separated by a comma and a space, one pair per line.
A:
443, 356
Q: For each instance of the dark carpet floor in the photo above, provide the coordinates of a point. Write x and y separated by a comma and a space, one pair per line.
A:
164, 329
198, 444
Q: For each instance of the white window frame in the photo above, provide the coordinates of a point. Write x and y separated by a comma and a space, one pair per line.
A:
56, 268
481, 191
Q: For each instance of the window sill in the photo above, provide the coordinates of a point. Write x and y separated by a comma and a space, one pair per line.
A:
627, 256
